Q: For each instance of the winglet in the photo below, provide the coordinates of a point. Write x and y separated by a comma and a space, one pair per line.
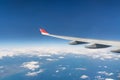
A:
43, 32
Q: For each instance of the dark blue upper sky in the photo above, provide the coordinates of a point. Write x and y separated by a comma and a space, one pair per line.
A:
20, 20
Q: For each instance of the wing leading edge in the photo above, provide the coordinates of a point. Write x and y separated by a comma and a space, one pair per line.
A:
94, 41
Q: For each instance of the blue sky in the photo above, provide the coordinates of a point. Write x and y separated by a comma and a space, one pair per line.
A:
20, 20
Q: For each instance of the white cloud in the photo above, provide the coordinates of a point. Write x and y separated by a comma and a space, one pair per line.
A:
31, 65
61, 57
1, 69
34, 73
109, 79
105, 73
57, 71
99, 78
62, 68
49, 59
83, 69
105, 67
48, 51
84, 77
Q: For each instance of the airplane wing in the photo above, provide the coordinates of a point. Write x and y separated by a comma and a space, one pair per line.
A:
95, 42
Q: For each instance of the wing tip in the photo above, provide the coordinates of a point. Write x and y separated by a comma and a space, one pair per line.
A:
43, 31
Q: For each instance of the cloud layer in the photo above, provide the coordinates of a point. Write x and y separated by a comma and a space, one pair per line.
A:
48, 51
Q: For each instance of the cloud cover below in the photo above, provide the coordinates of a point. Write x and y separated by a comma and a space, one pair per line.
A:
48, 51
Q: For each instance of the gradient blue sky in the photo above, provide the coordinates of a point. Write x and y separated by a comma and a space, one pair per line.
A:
20, 20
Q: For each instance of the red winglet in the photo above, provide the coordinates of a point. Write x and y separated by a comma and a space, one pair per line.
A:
44, 32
